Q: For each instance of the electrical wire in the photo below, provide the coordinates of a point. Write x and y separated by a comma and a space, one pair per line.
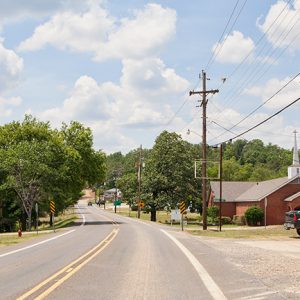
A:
257, 108
231, 97
260, 123
213, 55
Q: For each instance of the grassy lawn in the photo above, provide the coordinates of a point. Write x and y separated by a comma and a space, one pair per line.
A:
271, 232
161, 216
61, 221
228, 231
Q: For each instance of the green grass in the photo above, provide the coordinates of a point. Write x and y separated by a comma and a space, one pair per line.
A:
228, 230
274, 232
64, 220
7, 240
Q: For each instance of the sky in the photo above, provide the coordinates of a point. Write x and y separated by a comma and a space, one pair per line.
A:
125, 68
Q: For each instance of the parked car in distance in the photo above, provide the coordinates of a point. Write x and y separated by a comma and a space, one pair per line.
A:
292, 220
90, 203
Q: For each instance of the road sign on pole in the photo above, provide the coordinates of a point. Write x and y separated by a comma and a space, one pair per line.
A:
141, 203
52, 206
37, 217
52, 210
182, 211
182, 207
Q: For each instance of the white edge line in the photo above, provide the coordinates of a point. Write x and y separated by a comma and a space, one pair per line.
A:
37, 244
46, 241
210, 284
82, 215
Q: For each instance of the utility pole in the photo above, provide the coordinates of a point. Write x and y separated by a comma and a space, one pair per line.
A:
204, 101
139, 182
221, 178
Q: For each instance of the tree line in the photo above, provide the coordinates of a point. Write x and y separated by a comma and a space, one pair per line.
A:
168, 175
38, 164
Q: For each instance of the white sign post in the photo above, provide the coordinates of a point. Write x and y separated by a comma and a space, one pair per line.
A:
175, 215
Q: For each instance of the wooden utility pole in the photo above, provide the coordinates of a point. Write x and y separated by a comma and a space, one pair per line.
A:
139, 182
204, 101
221, 178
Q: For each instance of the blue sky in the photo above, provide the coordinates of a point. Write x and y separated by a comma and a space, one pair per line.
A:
125, 68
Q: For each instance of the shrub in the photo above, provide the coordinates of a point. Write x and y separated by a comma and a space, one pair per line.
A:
239, 220
226, 220
213, 213
254, 215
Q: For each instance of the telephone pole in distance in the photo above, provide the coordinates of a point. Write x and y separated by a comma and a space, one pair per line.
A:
204, 101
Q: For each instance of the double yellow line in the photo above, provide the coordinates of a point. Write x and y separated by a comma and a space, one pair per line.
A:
68, 271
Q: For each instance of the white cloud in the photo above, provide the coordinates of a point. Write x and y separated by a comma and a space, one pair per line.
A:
286, 25
97, 32
142, 35
138, 102
6, 105
11, 66
16, 11
72, 31
234, 49
286, 96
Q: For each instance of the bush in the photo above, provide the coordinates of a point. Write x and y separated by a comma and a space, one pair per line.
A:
226, 220
239, 220
254, 215
213, 213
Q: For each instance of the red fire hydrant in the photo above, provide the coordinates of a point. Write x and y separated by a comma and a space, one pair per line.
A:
20, 232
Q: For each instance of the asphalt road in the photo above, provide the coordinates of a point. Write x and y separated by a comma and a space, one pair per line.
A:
114, 257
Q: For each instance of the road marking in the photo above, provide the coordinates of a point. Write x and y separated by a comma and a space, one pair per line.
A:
102, 245
210, 284
37, 244
82, 215
259, 296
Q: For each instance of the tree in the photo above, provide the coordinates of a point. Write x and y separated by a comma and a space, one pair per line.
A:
128, 185
37, 163
168, 175
26, 155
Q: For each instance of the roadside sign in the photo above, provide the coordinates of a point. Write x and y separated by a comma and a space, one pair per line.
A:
182, 207
117, 202
52, 210
52, 206
175, 215
141, 203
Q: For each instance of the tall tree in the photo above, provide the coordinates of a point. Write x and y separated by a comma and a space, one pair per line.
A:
168, 176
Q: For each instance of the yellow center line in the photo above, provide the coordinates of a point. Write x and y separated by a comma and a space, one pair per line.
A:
102, 245
76, 269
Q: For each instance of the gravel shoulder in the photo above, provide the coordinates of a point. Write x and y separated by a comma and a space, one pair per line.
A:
276, 263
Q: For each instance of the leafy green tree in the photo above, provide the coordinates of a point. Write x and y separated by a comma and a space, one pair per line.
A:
37, 162
168, 176
128, 184
254, 152
115, 168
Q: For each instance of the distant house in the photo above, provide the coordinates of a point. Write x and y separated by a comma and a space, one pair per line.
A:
111, 194
275, 196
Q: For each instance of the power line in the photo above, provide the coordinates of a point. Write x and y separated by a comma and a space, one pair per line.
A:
269, 99
213, 55
253, 111
252, 74
256, 44
262, 122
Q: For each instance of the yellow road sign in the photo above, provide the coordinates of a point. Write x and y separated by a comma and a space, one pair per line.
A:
141, 203
52, 206
182, 207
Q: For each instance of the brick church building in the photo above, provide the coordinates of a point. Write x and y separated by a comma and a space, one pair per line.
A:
275, 196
